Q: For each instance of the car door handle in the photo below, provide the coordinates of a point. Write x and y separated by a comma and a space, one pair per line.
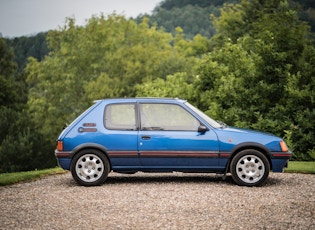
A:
145, 137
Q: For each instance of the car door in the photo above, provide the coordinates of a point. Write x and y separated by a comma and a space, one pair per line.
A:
121, 135
169, 139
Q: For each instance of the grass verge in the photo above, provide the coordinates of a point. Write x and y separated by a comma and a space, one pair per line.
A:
301, 167
11, 178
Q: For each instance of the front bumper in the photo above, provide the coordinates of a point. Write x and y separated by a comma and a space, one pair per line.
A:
279, 160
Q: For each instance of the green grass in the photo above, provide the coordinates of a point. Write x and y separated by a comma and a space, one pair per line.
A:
11, 178
301, 167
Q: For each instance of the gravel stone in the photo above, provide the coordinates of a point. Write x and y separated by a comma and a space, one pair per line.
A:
160, 201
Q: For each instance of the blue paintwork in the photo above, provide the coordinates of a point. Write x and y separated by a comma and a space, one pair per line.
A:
138, 154
178, 141
64, 163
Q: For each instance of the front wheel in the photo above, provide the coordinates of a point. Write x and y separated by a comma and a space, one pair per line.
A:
250, 168
90, 167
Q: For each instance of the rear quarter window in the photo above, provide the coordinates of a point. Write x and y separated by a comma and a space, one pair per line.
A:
120, 117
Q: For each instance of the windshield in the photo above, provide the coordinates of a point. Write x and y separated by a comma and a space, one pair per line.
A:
210, 121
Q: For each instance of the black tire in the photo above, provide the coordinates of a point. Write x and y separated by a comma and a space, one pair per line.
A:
249, 168
90, 167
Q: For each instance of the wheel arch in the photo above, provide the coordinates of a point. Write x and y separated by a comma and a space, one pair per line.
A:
249, 145
93, 146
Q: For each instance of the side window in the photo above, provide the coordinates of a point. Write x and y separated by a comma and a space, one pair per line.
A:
120, 117
167, 117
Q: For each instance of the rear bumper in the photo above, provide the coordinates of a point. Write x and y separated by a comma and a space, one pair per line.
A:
64, 163
63, 159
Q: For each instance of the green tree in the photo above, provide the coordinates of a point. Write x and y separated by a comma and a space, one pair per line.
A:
106, 58
301, 106
174, 86
191, 15
170, 4
178, 84
24, 47
20, 144
260, 51
193, 19
227, 76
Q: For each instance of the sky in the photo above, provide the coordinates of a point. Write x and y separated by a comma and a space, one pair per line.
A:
27, 17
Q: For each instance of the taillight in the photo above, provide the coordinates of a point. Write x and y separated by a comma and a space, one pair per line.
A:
284, 146
59, 145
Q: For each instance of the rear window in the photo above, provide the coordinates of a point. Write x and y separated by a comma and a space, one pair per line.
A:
120, 117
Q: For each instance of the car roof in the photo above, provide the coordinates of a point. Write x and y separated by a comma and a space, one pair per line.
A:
142, 99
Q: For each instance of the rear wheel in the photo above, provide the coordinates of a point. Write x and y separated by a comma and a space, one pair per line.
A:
250, 168
90, 167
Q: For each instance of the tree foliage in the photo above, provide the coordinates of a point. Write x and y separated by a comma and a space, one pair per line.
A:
25, 47
106, 58
174, 86
170, 4
21, 147
260, 70
192, 19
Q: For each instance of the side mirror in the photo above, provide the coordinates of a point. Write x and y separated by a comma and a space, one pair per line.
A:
202, 129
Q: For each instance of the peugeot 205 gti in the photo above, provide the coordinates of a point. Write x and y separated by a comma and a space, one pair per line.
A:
164, 135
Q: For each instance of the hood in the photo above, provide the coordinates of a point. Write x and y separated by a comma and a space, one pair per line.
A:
229, 137
246, 131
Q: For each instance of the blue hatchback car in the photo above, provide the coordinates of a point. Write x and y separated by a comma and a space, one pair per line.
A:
164, 135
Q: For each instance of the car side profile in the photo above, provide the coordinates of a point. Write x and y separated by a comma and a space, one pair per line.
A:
132, 135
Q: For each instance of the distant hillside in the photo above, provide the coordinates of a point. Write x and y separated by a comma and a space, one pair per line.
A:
193, 16
170, 4
307, 11
24, 47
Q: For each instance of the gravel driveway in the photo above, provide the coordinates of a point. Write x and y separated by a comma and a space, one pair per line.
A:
160, 201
